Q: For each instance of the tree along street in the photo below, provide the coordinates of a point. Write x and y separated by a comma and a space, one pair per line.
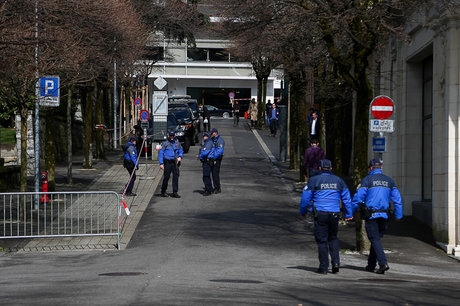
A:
246, 246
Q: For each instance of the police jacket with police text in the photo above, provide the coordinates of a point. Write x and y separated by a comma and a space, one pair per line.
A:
206, 148
217, 150
325, 191
130, 152
170, 150
376, 190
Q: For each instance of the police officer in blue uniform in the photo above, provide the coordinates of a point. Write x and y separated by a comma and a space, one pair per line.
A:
206, 148
374, 194
322, 195
130, 163
170, 156
215, 158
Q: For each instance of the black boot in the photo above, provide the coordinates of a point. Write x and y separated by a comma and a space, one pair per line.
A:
382, 269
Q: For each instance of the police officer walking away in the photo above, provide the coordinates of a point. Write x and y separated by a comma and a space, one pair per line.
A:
130, 163
170, 156
374, 194
322, 195
206, 148
215, 158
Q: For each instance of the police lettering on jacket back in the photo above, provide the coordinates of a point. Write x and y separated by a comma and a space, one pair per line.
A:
326, 190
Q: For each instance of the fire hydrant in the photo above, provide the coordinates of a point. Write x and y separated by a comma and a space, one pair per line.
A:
44, 177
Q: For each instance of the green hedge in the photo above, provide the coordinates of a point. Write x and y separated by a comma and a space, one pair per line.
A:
8, 135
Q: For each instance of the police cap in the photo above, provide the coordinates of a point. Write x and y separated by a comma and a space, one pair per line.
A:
171, 133
206, 135
214, 130
375, 163
325, 164
132, 138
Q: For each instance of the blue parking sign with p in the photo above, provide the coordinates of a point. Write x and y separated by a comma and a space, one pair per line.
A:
49, 91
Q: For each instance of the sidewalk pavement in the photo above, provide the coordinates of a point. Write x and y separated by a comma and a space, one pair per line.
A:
106, 175
406, 241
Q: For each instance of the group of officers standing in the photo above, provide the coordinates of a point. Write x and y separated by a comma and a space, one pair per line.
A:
322, 196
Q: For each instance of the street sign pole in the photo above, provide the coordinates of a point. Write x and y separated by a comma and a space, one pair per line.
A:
37, 114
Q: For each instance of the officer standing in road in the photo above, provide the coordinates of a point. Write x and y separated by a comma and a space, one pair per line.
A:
130, 163
206, 148
373, 198
322, 195
170, 156
215, 158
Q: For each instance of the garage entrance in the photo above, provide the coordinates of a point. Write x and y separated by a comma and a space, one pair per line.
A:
219, 97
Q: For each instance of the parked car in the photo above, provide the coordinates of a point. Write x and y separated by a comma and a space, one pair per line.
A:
218, 112
186, 125
183, 132
194, 117
193, 104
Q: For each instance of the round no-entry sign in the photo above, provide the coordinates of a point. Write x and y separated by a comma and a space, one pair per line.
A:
144, 115
382, 107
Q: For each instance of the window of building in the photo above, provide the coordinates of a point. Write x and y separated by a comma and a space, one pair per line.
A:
197, 55
427, 129
154, 53
218, 55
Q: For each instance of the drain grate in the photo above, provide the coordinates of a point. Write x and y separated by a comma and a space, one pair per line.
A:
383, 280
123, 274
236, 281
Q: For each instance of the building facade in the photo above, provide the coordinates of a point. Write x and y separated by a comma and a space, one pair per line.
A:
423, 78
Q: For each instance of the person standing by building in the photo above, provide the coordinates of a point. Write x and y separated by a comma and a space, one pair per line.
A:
215, 158
206, 119
373, 197
253, 111
206, 148
130, 163
314, 126
312, 158
268, 107
322, 195
274, 115
236, 113
170, 157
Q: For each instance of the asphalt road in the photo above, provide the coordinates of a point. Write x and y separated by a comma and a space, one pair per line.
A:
245, 246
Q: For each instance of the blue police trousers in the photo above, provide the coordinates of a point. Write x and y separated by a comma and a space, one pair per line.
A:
216, 173
326, 228
207, 176
130, 167
170, 166
375, 229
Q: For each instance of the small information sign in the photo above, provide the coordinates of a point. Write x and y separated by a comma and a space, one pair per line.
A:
385, 126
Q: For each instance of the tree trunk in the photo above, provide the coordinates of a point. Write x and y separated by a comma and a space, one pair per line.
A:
23, 180
298, 133
100, 151
260, 105
88, 130
49, 150
69, 135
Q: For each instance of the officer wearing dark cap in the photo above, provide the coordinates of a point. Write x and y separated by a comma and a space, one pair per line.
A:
169, 157
374, 194
215, 158
130, 163
322, 195
206, 148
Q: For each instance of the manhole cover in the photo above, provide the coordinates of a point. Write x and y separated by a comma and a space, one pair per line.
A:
237, 281
122, 274
383, 280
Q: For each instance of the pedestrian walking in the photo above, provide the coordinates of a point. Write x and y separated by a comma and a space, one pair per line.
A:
274, 116
313, 156
236, 113
253, 111
268, 107
130, 163
170, 157
322, 195
314, 126
206, 119
373, 197
206, 148
215, 158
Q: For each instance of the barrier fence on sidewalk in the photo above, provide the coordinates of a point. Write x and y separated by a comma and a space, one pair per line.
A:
60, 214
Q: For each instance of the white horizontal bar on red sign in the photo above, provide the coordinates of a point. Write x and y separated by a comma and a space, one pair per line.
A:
382, 108
243, 99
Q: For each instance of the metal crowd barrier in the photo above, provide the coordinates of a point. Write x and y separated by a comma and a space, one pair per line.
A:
59, 214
